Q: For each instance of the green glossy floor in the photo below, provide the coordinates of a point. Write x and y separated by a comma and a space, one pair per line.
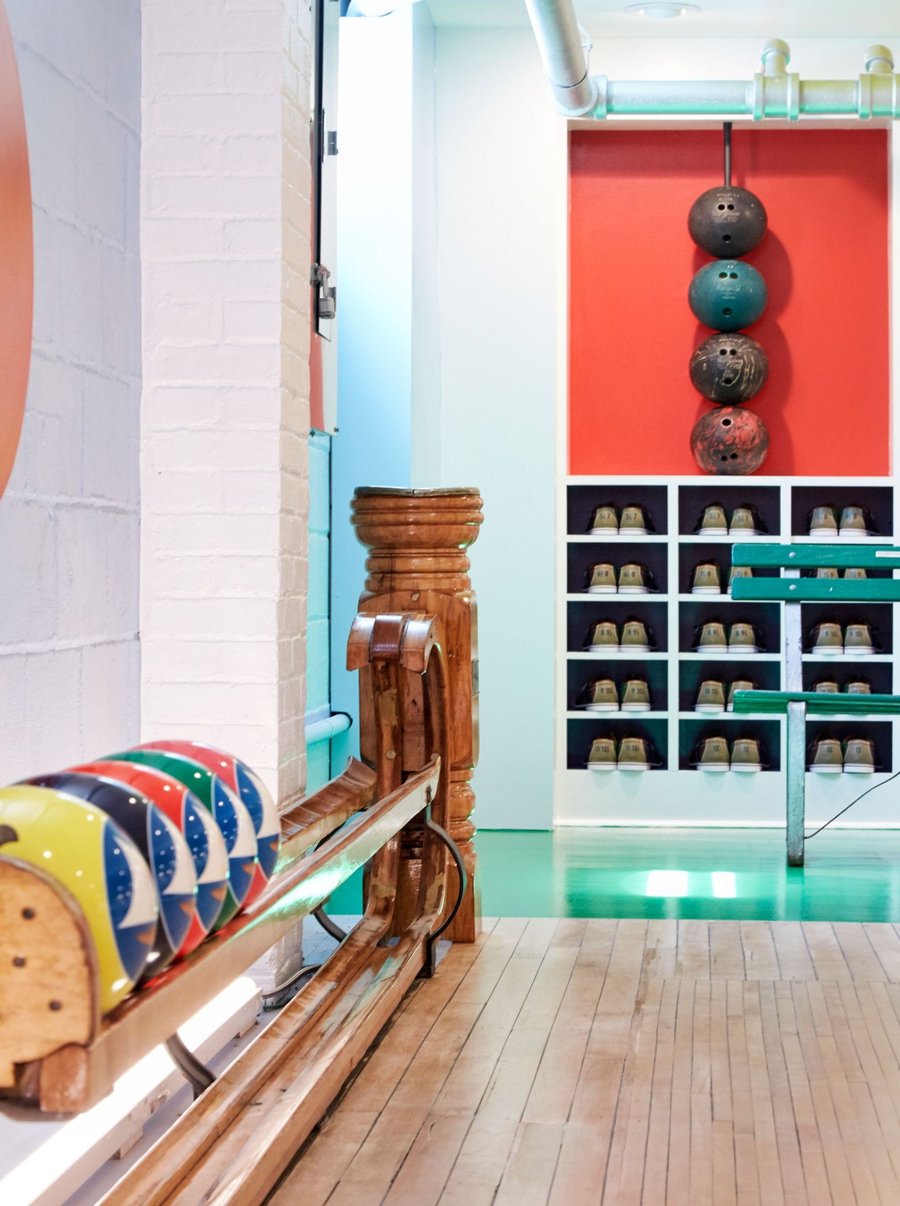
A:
736, 874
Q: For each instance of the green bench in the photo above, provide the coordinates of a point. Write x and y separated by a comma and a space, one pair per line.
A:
792, 590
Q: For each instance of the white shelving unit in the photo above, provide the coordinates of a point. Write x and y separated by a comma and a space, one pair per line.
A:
676, 792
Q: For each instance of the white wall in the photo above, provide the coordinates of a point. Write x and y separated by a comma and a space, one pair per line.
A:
69, 663
499, 194
225, 411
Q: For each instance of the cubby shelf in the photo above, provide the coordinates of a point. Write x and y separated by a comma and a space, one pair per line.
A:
675, 669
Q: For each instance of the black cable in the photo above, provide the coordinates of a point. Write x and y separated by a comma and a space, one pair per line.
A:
816, 832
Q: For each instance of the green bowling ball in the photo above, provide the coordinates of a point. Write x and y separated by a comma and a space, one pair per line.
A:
727, 295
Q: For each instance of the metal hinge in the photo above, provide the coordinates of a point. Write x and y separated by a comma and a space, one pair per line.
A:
331, 147
326, 295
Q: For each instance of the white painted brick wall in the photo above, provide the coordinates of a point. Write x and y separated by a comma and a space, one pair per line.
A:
225, 414
69, 661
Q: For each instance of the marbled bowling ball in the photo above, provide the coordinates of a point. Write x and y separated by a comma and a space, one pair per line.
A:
727, 221
727, 295
229, 813
730, 441
729, 368
193, 821
249, 788
92, 858
160, 844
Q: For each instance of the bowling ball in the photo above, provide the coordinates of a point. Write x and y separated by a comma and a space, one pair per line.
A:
103, 870
229, 813
191, 819
727, 295
248, 786
729, 441
729, 368
727, 221
160, 844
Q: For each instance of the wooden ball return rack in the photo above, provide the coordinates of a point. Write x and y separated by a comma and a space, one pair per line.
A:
242, 1131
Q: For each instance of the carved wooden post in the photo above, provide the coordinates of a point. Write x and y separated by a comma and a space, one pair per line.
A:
417, 541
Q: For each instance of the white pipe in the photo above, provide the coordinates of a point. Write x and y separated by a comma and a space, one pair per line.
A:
773, 92
565, 58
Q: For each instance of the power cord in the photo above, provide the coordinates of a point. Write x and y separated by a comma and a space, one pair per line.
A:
807, 837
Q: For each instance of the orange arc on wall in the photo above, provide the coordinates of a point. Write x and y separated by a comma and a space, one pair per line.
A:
16, 259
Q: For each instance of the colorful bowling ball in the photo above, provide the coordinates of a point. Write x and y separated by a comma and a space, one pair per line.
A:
248, 786
730, 440
103, 870
160, 844
229, 813
727, 221
190, 818
727, 295
729, 368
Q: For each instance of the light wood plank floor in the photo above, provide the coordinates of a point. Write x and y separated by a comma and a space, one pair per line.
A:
572, 1062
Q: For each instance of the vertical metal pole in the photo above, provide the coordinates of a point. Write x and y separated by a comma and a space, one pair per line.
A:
726, 135
796, 781
796, 732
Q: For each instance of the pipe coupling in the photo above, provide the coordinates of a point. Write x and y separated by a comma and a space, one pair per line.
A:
877, 96
578, 100
776, 96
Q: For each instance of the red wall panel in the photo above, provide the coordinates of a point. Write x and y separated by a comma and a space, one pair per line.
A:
826, 329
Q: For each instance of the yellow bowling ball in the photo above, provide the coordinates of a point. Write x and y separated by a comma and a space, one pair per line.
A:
90, 856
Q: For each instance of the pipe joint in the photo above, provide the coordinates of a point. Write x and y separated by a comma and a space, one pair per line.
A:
776, 96
577, 100
879, 61
877, 96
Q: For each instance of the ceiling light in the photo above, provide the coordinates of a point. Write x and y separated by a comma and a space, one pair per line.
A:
662, 10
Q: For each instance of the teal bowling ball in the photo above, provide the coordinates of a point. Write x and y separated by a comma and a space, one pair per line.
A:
727, 295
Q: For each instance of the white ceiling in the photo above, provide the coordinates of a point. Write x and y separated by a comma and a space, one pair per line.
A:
876, 19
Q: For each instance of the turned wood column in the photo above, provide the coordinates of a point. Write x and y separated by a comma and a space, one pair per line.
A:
417, 542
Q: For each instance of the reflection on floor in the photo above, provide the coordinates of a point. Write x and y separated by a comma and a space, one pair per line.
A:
736, 874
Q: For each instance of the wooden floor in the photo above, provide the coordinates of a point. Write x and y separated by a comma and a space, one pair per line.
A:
574, 1062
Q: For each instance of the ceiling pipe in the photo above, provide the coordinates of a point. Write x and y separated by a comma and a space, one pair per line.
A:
565, 55
773, 92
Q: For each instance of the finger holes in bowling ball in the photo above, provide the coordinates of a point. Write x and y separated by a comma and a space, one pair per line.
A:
729, 206
720, 206
723, 276
733, 275
19, 961
726, 422
726, 238
727, 311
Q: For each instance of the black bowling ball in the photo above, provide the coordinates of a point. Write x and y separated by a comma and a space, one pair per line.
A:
729, 368
727, 222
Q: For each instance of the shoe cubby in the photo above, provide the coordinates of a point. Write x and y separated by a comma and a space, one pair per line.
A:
579, 674
877, 501
581, 735
764, 617
835, 728
619, 609
718, 554
879, 675
618, 552
878, 617
692, 733
693, 501
673, 667
583, 500
765, 674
